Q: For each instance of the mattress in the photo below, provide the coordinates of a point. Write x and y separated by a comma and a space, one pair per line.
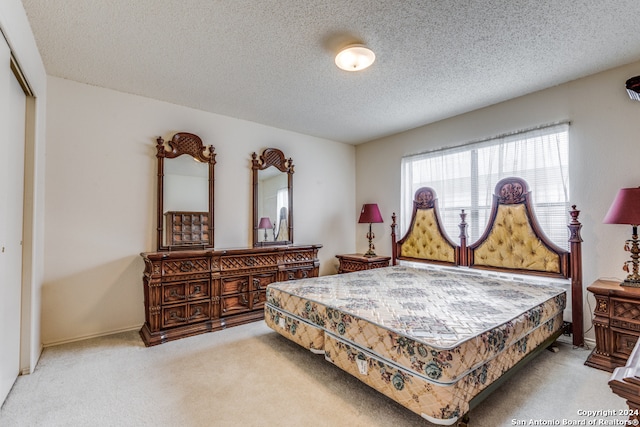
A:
432, 339
437, 323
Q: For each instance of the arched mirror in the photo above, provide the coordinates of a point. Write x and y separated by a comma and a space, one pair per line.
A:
272, 198
185, 192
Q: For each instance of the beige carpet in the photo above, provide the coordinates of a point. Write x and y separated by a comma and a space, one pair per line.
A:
251, 376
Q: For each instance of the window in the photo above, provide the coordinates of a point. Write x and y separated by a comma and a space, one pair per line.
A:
465, 177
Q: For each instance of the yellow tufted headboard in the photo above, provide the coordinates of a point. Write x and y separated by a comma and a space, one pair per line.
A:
513, 240
426, 240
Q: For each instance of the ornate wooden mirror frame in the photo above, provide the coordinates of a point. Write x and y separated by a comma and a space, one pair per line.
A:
182, 226
281, 224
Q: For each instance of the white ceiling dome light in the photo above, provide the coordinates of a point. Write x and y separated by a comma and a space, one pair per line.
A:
355, 57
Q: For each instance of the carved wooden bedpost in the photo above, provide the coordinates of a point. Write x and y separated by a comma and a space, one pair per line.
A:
394, 247
463, 258
576, 277
160, 154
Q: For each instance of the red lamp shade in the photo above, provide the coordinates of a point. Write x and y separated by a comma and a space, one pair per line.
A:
625, 208
370, 214
265, 223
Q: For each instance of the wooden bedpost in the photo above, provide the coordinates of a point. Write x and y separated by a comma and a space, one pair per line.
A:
576, 278
463, 258
394, 248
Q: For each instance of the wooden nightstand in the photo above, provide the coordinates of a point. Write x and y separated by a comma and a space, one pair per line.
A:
359, 262
616, 323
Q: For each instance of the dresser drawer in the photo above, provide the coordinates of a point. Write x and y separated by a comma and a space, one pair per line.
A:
241, 262
234, 285
258, 299
234, 304
298, 256
183, 291
179, 267
259, 282
298, 273
625, 314
623, 343
183, 314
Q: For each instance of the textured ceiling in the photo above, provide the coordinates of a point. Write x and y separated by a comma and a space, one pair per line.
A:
271, 62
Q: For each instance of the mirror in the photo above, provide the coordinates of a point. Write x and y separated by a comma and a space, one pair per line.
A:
185, 192
272, 175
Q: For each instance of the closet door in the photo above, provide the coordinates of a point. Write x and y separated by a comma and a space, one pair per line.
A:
12, 141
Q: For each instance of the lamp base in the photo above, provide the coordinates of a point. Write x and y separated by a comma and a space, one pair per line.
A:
631, 283
633, 279
370, 236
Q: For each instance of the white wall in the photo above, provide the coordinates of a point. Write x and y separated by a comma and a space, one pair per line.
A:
604, 149
101, 178
15, 28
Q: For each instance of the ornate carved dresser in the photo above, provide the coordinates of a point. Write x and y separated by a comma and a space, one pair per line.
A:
196, 291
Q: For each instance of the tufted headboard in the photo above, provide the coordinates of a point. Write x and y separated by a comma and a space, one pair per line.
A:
513, 240
426, 240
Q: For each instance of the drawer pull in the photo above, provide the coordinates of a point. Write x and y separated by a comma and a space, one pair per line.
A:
256, 283
174, 316
186, 266
305, 274
292, 275
196, 291
174, 294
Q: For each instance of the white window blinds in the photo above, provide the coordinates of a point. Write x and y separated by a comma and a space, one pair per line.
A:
465, 177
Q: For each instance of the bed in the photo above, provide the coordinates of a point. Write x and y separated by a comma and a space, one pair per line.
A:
445, 324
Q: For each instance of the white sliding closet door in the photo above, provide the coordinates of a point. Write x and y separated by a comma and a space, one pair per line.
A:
12, 142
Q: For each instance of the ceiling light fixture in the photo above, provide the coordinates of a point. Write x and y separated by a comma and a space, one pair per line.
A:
355, 57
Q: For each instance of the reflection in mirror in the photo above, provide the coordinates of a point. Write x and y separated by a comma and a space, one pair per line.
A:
185, 192
185, 203
283, 229
272, 198
185, 184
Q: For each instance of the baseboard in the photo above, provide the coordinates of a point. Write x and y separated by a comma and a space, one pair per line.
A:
86, 337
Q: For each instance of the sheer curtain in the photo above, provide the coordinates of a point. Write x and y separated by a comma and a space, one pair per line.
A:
282, 209
465, 177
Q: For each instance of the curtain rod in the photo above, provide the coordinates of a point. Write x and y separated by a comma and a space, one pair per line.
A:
503, 135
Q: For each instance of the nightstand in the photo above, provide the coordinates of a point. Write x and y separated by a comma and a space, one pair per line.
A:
359, 262
616, 321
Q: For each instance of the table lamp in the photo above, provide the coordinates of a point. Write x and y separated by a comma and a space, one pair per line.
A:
265, 224
370, 214
625, 209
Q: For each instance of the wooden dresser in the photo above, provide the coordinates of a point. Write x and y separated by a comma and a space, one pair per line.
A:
616, 323
195, 291
359, 262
